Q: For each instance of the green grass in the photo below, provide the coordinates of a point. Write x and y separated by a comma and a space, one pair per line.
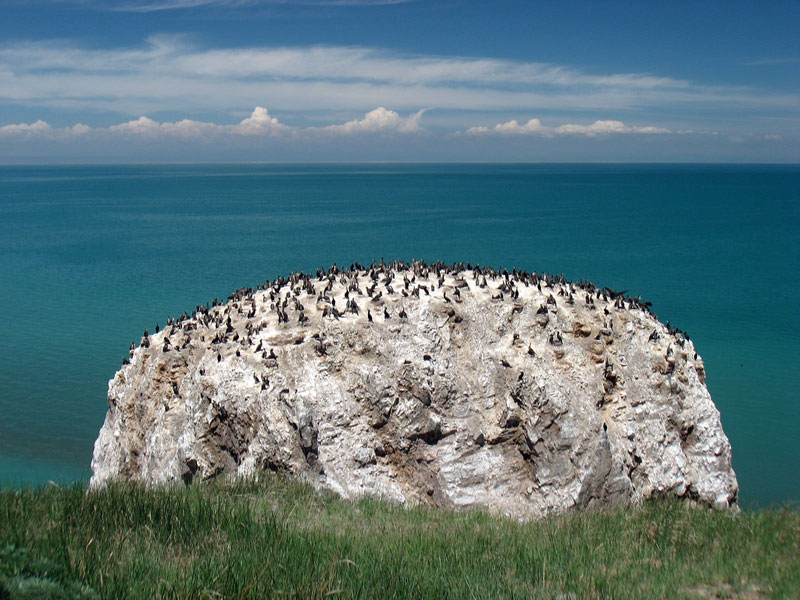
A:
280, 539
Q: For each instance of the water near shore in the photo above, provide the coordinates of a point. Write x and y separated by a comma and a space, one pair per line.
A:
90, 256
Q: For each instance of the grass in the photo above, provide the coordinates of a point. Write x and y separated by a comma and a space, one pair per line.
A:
281, 539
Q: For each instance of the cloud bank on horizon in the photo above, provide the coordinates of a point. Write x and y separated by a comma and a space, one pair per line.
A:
261, 123
535, 127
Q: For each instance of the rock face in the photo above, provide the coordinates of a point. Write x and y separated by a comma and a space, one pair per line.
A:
454, 386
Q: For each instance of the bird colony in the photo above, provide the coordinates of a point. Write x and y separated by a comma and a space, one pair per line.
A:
450, 385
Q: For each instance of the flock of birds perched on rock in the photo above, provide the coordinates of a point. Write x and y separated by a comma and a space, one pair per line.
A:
368, 292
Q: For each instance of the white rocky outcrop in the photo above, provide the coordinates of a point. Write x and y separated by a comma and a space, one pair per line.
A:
455, 386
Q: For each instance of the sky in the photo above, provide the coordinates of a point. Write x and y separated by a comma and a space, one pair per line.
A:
398, 80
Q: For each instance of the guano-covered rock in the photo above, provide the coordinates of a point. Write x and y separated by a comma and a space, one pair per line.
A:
456, 386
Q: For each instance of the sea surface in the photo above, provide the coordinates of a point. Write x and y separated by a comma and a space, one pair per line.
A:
91, 255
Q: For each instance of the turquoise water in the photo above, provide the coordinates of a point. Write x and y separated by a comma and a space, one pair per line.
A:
90, 256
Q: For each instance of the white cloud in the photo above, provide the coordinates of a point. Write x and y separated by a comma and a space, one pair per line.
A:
535, 127
147, 126
79, 129
42, 129
773, 136
38, 127
259, 123
380, 119
605, 127
141, 125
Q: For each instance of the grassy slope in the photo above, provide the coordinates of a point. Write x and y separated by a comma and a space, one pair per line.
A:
281, 539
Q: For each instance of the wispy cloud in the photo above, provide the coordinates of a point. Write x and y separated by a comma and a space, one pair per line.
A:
176, 55
145, 6
768, 62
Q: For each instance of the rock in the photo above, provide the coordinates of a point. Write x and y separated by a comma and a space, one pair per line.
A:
527, 396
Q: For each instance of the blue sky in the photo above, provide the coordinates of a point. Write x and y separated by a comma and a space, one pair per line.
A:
267, 80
